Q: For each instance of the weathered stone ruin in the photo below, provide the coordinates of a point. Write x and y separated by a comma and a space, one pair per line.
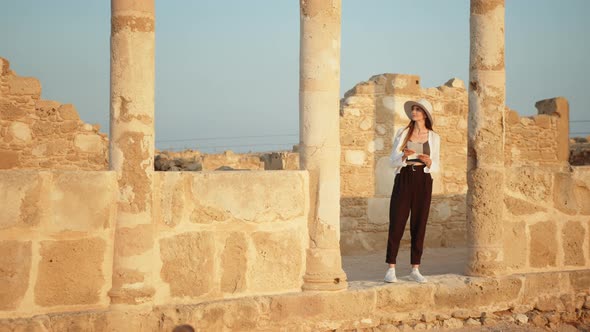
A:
44, 134
131, 249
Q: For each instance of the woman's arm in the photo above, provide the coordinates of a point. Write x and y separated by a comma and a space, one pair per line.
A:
397, 159
434, 156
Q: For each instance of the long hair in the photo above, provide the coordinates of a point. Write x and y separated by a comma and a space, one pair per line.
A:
411, 127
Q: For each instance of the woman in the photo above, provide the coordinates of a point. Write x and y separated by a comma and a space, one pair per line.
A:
415, 155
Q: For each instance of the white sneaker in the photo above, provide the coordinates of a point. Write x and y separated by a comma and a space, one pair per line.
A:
417, 277
390, 275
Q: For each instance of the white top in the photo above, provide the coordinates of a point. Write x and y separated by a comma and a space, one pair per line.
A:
395, 160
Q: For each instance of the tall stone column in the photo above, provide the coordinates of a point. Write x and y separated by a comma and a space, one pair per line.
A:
319, 97
485, 157
132, 147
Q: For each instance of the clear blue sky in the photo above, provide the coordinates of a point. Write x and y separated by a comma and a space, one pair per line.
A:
230, 68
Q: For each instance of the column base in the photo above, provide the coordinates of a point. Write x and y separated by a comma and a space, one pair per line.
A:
324, 271
484, 263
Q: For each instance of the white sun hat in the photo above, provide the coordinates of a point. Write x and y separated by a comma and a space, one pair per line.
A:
423, 104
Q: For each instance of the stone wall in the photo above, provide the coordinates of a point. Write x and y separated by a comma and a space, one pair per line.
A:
371, 113
229, 234
546, 201
56, 240
192, 160
547, 218
217, 235
558, 301
44, 134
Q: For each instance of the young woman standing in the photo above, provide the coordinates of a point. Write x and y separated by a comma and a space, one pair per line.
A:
415, 155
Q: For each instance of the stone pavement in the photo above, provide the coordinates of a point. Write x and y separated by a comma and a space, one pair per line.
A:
435, 261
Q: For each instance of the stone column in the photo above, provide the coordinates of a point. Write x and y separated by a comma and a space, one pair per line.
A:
132, 147
319, 98
485, 156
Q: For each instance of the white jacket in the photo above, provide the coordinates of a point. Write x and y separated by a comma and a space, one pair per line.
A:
395, 160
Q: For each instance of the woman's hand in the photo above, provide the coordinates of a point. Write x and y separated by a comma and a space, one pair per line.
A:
408, 152
425, 159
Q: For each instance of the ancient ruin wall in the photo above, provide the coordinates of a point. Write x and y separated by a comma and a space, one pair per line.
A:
371, 113
44, 134
217, 235
546, 201
56, 240
229, 234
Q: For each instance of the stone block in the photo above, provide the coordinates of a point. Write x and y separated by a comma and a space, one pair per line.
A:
515, 249
355, 157
405, 297
234, 262
475, 292
83, 200
9, 111
573, 236
9, 159
564, 197
70, 272
534, 185
519, 207
512, 118
543, 245
15, 266
19, 86
318, 306
550, 106
278, 263
4, 66
188, 263
580, 280
402, 84
255, 196
171, 198
47, 105
21, 131
68, 112
538, 284
136, 240
455, 83
543, 121
21, 194
89, 143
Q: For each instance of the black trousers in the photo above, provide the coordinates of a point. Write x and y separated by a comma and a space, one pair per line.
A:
412, 192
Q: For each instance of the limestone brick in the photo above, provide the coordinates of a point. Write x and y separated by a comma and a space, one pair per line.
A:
458, 295
278, 264
543, 244
21, 196
514, 246
14, 274
253, 196
188, 263
83, 201
573, 237
234, 264
563, 194
24, 86
70, 272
